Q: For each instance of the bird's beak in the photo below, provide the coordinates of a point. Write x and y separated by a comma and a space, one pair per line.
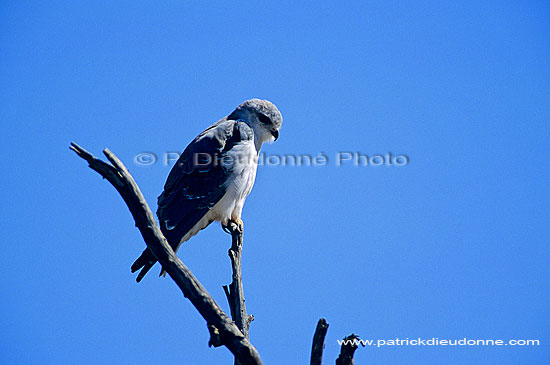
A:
275, 133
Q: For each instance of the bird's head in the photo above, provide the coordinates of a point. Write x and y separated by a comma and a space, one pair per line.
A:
262, 116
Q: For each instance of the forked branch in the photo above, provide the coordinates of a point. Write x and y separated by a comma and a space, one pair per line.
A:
223, 330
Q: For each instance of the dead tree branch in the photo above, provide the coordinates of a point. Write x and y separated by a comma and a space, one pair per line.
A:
224, 330
319, 342
234, 292
349, 345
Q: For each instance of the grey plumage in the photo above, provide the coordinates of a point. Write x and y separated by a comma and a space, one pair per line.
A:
213, 175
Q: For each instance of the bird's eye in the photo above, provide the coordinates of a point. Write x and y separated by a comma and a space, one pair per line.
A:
264, 119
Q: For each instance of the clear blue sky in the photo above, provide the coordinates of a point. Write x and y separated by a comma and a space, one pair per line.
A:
452, 245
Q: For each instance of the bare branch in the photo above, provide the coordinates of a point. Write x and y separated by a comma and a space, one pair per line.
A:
319, 342
229, 334
349, 345
234, 292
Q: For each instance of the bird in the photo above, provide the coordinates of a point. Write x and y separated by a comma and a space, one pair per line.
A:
213, 176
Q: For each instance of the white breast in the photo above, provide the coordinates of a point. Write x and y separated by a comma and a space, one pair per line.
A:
244, 159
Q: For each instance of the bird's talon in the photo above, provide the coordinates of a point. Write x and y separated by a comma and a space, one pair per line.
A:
226, 229
233, 226
239, 225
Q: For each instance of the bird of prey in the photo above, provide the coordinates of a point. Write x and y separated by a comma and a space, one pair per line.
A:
213, 176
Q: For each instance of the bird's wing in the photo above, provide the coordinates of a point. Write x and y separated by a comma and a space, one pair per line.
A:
199, 179
195, 184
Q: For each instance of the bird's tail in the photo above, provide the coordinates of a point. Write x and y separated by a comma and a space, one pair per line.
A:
145, 262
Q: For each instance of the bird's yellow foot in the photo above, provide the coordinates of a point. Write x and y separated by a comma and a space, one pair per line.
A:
239, 223
232, 226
